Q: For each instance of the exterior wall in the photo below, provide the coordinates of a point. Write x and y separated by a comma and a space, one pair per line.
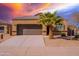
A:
66, 26
26, 21
74, 28
33, 21
62, 30
78, 31
5, 34
5, 28
44, 30
75, 31
14, 29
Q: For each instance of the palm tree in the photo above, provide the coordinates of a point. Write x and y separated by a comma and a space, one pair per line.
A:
51, 20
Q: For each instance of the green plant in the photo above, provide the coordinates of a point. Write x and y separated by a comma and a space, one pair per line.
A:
77, 36
63, 34
51, 20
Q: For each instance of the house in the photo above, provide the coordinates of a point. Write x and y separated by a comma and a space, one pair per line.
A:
30, 25
27, 25
4, 30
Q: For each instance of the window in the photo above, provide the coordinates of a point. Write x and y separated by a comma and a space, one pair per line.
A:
1, 29
60, 27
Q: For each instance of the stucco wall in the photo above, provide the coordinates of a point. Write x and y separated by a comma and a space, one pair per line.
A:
33, 21
21, 21
5, 34
25, 21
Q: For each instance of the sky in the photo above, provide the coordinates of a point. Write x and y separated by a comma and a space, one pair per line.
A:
9, 11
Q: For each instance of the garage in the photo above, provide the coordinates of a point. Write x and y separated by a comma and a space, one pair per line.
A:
29, 29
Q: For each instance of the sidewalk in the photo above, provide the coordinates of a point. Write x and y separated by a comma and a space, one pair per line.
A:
5, 37
45, 51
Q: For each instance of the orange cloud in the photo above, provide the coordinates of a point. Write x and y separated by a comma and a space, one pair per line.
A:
19, 10
35, 10
14, 6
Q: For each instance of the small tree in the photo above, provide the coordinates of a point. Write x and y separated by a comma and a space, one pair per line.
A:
51, 20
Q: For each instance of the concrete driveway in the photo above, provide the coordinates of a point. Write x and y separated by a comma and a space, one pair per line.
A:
33, 45
24, 41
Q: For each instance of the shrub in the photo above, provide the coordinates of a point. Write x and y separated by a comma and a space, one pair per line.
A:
63, 34
77, 36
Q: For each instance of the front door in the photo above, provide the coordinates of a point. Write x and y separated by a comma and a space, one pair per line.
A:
70, 32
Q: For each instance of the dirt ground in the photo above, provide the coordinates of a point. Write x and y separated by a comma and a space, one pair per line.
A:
60, 42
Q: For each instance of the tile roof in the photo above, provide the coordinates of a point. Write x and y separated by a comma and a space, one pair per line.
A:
3, 22
28, 17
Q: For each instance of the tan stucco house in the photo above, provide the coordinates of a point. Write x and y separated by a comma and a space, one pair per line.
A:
26, 26
29, 25
4, 30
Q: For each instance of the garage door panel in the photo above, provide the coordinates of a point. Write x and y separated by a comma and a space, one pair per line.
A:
31, 31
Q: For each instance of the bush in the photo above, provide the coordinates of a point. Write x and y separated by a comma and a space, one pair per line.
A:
77, 36
63, 34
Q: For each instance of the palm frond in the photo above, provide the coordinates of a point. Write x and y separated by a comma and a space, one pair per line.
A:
50, 18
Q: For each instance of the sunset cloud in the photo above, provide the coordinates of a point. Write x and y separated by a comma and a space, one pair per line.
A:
9, 11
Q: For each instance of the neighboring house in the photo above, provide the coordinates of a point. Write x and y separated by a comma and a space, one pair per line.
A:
4, 30
72, 30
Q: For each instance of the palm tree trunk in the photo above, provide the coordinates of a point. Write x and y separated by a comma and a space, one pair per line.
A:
50, 33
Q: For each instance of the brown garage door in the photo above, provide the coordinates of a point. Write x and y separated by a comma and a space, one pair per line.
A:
29, 29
